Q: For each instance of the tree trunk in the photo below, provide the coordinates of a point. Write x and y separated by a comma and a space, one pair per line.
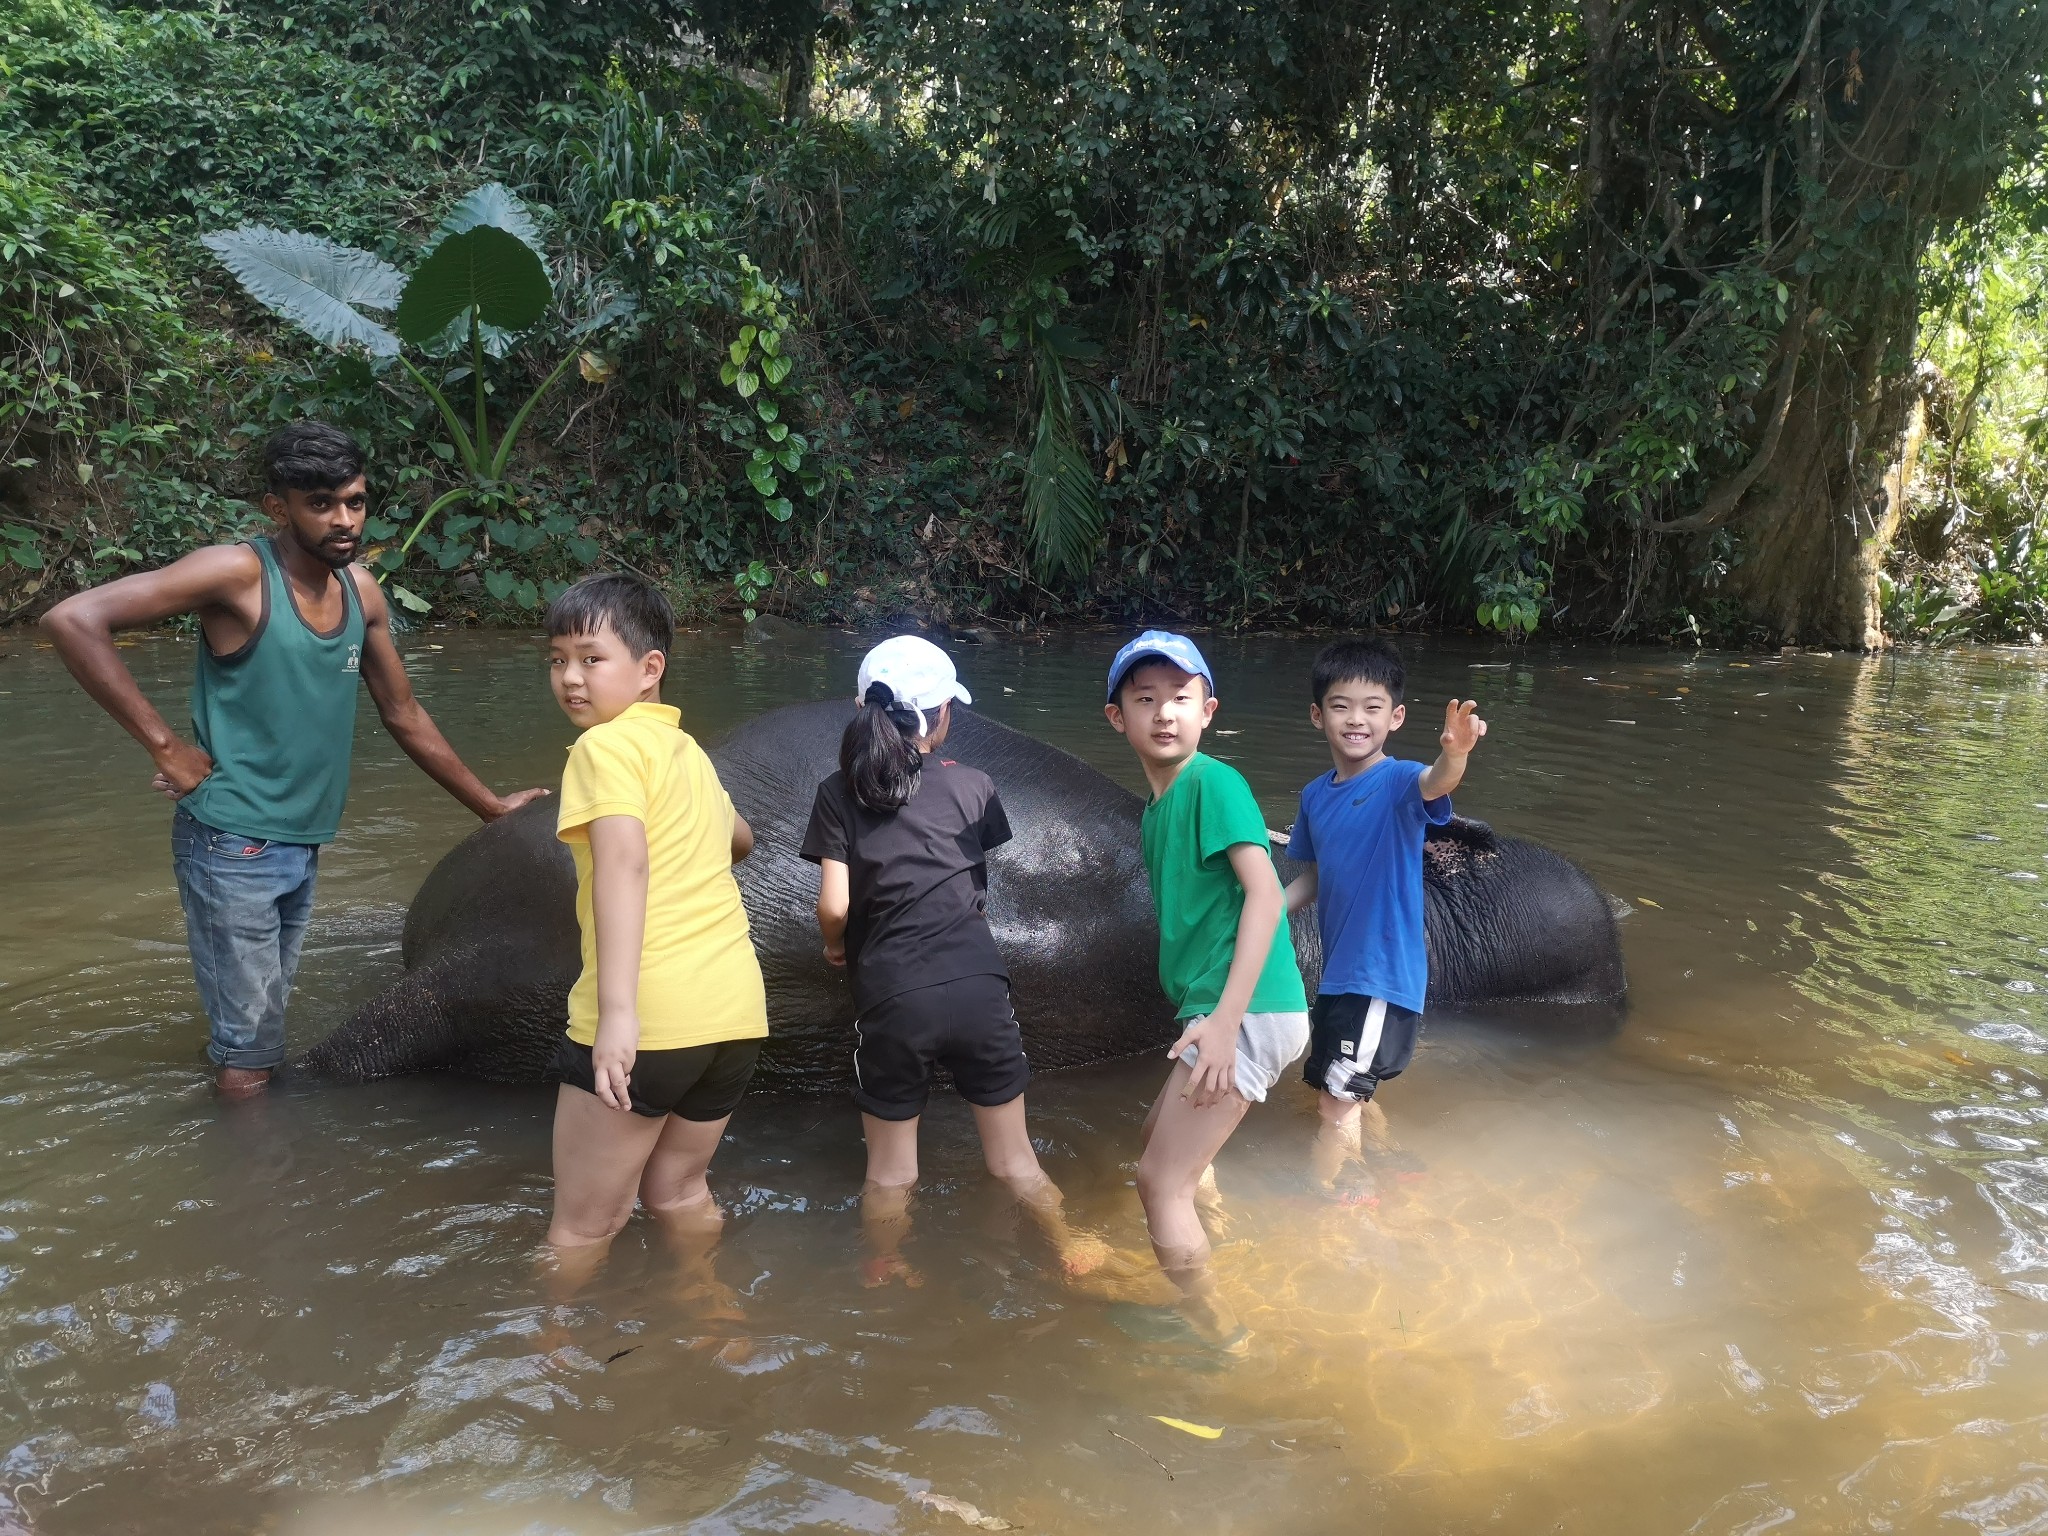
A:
1817, 506
1819, 519
797, 76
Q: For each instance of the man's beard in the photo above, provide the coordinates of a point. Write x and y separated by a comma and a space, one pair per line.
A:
333, 556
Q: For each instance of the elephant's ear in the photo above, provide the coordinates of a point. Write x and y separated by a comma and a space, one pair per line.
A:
1473, 836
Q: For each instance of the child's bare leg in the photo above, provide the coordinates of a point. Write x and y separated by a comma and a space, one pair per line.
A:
599, 1155
1184, 1141
1006, 1148
1208, 1196
1337, 1138
674, 1191
885, 1199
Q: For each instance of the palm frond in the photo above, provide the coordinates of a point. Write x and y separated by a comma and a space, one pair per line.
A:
1061, 513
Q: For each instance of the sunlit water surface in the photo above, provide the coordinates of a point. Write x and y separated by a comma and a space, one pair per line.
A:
1775, 1257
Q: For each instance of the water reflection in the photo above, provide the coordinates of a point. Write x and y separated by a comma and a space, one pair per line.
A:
1776, 1254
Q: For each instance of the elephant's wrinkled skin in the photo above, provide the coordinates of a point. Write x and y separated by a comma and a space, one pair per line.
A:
490, 941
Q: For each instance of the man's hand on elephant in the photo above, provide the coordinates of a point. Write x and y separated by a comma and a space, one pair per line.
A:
1214, 1073
835, 954
1462, 727
507, 804
611, 1061
179, 769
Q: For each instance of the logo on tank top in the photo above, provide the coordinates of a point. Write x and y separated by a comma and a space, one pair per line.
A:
355, 659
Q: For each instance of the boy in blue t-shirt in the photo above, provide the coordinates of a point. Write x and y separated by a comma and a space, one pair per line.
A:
1360, 832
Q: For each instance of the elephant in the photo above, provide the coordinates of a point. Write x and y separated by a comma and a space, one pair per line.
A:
490, 946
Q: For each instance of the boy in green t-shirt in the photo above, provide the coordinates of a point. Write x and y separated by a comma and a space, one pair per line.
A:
1225, 958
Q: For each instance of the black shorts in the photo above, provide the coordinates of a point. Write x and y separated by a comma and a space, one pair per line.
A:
965, 1026
1355, 1043
698, 1082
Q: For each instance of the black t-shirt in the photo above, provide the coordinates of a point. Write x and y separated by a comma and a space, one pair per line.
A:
917, 879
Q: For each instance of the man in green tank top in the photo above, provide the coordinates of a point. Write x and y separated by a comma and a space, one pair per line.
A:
289, 625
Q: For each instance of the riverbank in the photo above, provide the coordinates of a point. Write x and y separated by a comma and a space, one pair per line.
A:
1131, 319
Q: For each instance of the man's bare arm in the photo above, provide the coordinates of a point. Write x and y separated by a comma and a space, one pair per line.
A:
407, 719
82, 627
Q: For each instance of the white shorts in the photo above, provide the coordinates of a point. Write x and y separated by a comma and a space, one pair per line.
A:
1267, 1045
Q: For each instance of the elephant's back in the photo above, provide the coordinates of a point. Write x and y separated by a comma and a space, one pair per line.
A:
1068, 901
1511, 921
510, 876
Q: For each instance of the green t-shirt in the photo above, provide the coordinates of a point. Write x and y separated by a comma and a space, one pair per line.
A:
1188, 833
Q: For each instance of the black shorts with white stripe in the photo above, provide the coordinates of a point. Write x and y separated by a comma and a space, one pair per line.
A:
1355, 1043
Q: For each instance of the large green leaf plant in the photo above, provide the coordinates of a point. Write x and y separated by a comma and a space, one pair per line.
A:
482, 281
1023, 255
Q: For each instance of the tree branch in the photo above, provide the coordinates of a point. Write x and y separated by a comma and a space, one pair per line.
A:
1727, 496
1799, 58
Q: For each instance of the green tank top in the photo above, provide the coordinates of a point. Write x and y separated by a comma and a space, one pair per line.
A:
278, 718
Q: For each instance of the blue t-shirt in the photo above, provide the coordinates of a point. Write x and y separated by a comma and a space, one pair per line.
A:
1364, 836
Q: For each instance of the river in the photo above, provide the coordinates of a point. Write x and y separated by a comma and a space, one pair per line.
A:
1775, 1257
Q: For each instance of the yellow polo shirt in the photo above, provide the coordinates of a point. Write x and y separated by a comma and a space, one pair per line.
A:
699, 980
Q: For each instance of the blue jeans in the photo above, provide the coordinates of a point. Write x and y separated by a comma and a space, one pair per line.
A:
246, 904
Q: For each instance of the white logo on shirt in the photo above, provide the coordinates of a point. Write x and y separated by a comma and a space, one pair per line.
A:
355, 659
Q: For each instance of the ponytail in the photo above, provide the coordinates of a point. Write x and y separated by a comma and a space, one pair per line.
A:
878, 753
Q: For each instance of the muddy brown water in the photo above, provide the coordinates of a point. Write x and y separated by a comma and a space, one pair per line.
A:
1773, 1258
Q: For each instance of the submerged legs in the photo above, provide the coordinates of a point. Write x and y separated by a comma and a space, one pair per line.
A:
1006, 1148
1181, 1141
885, 1199
604, 1160
1345, 1131
673, 1189
600, 1154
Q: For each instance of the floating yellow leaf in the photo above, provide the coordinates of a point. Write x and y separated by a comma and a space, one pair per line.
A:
1648, 903
1199, 1431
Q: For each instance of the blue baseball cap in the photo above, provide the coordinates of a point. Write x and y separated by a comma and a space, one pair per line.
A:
1166, 646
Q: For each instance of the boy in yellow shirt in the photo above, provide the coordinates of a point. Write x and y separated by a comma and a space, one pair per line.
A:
667, 1018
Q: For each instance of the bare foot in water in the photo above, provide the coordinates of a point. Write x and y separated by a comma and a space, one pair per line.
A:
1083, 1253
1123, 1276
1214, 1322
710, 1301
233, 1083
556, 1345
1352, 1188
878, 1269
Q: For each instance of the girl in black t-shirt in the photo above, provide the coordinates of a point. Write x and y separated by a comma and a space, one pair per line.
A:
901, 838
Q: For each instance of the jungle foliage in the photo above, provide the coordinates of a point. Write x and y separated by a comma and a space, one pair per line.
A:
1626, 316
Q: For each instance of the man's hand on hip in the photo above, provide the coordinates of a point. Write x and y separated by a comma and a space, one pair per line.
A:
179, 769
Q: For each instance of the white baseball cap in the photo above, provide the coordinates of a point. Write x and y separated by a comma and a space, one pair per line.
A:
917, 672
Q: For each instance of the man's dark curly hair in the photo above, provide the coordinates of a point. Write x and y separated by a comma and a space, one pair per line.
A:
311, 456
